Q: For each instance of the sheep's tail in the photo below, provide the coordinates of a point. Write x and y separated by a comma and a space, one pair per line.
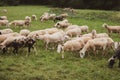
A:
59, 48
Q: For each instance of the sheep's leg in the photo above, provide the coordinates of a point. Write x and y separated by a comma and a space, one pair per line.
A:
46, 45
63, 54
36, 53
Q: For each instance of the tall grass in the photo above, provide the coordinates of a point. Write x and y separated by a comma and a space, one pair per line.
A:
48, 65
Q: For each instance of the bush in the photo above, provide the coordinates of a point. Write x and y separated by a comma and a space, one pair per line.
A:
9, 2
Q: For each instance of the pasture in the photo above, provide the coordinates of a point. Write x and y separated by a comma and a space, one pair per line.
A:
48, 64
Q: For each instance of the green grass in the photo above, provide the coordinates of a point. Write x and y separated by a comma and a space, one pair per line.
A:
48, 65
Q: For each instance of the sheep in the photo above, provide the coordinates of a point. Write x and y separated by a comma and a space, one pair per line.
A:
19, 23
58, 18
34, 17
74, 32
51, 30
27, 20
64, 15
3, 17
112, 29
100, 35
2, 38
116, 45
114, 57
28, 42
101, 43
4, 23
24, 32
54, 38
72, 45
52, 16
62, 24
7, 42
6, 31
4, 10
34, 35
84, 28
44, 17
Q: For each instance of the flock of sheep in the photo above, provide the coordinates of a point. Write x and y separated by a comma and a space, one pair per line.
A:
64, 36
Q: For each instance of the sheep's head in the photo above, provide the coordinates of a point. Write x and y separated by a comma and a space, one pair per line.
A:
104, 25
82, 54
111, 62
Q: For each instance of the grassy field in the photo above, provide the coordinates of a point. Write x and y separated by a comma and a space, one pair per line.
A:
48, 65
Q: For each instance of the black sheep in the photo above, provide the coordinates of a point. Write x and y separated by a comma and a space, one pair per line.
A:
113, 58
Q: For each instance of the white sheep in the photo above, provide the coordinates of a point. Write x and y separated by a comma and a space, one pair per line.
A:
84, 28
72, 45
112, 29
99, 35
54, 38
74, 32
44, 17
3, 17
62, 24
24, 32
4, 23
97, 43
4, 10
6, 31
34, 17
18, 23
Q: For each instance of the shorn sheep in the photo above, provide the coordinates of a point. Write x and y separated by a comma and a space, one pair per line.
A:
112, 29
99, 35
97, 43
19, 23
4, 23
57, 37
72, 45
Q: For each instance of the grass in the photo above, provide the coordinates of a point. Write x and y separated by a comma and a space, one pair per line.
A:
48, 65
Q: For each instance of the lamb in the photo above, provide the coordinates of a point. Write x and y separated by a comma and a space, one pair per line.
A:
3, 17
24, 32
72, 45
100, 43
4, 23
34, 17
74, 32
6, 31
112, 29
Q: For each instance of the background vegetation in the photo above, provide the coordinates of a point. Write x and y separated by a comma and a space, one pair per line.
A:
81, 4
48, 65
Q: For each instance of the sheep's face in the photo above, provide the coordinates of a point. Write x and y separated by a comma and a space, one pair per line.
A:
82, 54
111, 62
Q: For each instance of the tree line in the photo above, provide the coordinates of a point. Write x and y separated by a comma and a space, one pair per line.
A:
81, 4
